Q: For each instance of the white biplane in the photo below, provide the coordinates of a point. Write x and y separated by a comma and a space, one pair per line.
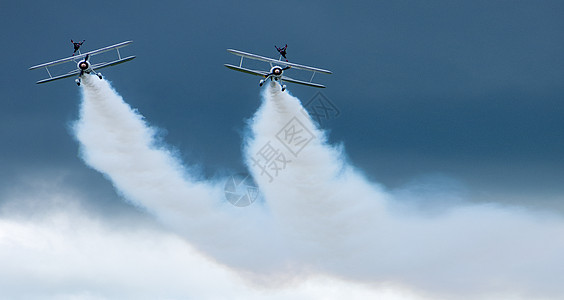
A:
83, 65
277, 68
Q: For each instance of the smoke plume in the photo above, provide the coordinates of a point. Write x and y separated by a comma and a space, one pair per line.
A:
320, 214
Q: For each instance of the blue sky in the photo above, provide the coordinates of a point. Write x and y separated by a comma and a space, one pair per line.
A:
457, 95
469, 91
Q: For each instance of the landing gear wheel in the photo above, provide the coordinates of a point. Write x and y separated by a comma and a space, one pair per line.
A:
283, 87
77, 82
99, 75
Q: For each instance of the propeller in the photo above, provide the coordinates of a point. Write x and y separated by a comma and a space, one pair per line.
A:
85, 60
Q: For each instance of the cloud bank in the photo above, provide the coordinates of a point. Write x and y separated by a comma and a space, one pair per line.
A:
51, 247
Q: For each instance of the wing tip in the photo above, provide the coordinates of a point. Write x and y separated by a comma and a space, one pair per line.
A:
323, 71
36, 67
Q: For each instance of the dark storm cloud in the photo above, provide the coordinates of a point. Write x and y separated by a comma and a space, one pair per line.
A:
471, 90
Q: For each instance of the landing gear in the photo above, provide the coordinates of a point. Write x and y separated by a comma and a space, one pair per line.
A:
97, 74
77, 81
273, 78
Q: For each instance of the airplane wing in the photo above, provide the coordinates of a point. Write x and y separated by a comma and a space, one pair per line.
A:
67, 75
95, 66
248, 71
264, 74
56, 62
312, 84
78, 57
112, 63
278, 62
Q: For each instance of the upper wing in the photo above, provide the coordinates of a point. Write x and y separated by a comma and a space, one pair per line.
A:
248, 71
278, 62
77, 57
56, 62
312, 84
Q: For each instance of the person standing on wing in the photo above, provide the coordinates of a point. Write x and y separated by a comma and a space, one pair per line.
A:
76, 46
282, 51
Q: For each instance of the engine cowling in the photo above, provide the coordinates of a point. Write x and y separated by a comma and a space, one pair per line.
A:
84, 65
276, 71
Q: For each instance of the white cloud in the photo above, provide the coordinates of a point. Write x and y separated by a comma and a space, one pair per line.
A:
67, 253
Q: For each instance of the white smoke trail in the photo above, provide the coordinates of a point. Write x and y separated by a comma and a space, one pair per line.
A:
350, 227
314, 195
321, 214
116, 141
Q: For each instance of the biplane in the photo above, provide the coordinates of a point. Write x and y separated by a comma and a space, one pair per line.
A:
277, 68
83, 65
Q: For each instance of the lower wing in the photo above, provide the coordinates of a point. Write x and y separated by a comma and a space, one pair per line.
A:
69, 74
112, 63
248, 71
312, 84
94, 67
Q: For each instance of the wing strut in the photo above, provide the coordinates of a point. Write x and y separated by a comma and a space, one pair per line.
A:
313, 74
50, 76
